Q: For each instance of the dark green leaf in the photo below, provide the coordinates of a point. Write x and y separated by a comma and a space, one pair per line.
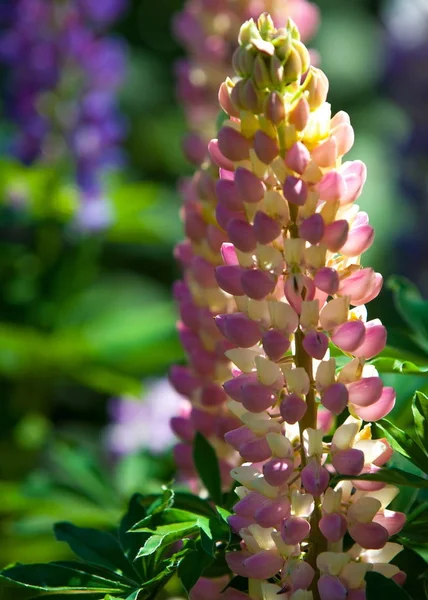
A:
164, 501
379, 587
412, 308
391, 476
194, 504
420, 415
94, 546
402, 443
192, 567
416, 531
206, 463
132, 542
394, 365
57, 578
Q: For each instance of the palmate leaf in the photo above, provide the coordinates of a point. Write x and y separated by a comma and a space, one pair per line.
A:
420, 416
402, 442
94, 546
53, 577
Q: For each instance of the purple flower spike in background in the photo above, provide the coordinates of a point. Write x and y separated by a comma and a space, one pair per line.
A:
62, 75
143, 423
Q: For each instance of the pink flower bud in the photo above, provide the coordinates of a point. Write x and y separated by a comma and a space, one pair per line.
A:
240, 436
315, 344
332, 187
236, 563
298, 288
183, 380
264, 565
233, 145
218, 157
203, 421
228, 195
349, 336
331, 588
299, 115
233, 387
239, 329
229, 279
324, 420
215, 238
203, 362
224, 215
225, 102
298, 158
257, 284
301, 575
271, 513
355, 174
374, 342
203, 272
348, 462
274, 108
362, 286
237, 523
257, 397
208, 588
247, 506
183, 253
194, 148
371, 536
294, 530
292, 408
295, 190
194, 226
212, 395
241, 234
335, 398
365, 391
315, 478
278, 471
265, 147
344, 134
266, 229
392, 521
380, 408
312, 229
359, 240
183, 456
325, 155
333, 526
256, 450
250, 187
275, 344
327, 280
183, 428
228, 253
335, 235
400, 578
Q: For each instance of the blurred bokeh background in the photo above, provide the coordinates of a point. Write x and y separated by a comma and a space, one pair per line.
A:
90, 157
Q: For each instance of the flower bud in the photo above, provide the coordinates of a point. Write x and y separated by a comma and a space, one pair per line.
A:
369, 535
275, 344
335, 398
331, 588
278, 471
271, 513
257, 397
349, 336
239, 329
374, 341
295, 190
333, 526
335, 235
292, 408
257, 284
294, 530
299, 114
365, 391
263, 565
232, 144
332, 187
312, 229
315, 344
241, 235
229, 279
255, 450
250, 188
274, 109
228, 195
348, 462
265, 228
315, 478
265, 147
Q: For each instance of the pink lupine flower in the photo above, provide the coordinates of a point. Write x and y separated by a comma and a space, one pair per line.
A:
292, 273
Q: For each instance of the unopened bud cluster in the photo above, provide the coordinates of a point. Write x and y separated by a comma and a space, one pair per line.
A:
208, 29
292, 268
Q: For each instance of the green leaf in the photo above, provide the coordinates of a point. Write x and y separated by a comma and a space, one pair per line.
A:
412, 308
420, 415
207, 466
194, 504
387, 364
166, 535
94, 546
402, 443
164, 501
170, 516
392, 476
52, 577
379, 586
192, 567
132, 542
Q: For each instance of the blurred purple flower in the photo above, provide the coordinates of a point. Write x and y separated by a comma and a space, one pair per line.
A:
62, 74
143, 423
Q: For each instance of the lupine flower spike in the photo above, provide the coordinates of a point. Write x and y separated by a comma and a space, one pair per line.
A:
286, 199
207, 206
208, 30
